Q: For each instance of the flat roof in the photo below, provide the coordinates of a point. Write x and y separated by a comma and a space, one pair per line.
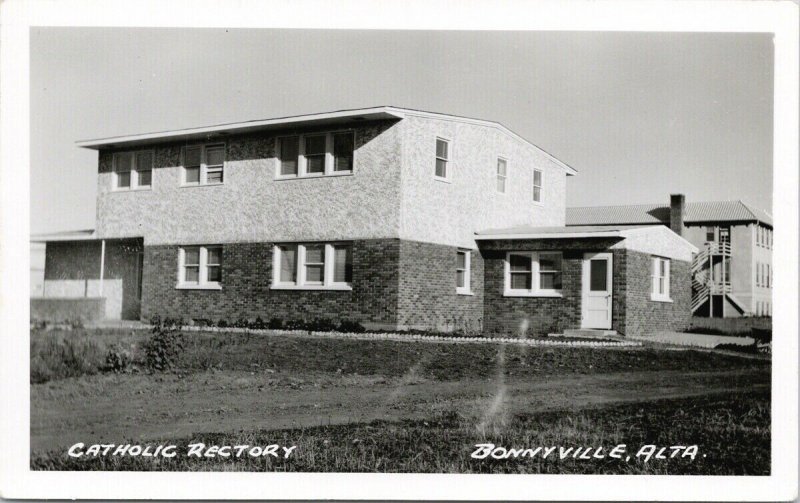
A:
587, 231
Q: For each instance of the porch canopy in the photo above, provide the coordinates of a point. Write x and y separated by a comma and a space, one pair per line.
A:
653, 239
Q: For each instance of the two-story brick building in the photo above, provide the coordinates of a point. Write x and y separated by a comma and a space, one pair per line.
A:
732, 274
378, 215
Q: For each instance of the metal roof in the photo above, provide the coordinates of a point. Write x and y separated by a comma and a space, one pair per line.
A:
218, 131
700, 212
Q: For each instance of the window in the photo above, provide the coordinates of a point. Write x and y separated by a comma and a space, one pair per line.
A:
200, 267
442, 158
502, 169
203, 164
758, 273
533, 274
313, 266
463, 272
660, 279
711, 234
133, 170
769, 276
318, 154
769, 238
537, 185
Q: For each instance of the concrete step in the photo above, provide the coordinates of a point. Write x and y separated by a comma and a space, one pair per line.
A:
587, 333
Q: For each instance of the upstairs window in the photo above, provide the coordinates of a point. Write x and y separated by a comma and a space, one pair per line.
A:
133, 170
502, 172
317, 154
463, 272
533, 274
442, 158
203, 165
711, 234
660, 274
200, 267
313, 266
537, 185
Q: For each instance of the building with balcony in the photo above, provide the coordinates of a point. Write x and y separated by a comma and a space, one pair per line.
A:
732, 271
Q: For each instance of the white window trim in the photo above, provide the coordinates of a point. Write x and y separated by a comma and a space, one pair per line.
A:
540, 202
448, 170
497, 175
467, 288
327, 284
133, 171
202, 280
535, 291
655, 276
301, 158
203, 182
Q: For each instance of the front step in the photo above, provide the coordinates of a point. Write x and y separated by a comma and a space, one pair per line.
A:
587, 333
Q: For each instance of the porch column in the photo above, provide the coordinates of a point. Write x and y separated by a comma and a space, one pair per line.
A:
102, 263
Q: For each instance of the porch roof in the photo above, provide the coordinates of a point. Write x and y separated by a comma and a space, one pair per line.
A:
79, 235
585, 231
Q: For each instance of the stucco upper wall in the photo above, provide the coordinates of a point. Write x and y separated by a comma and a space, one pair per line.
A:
657, 240
450, 213
252, 205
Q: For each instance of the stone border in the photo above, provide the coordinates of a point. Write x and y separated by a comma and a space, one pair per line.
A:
417, 337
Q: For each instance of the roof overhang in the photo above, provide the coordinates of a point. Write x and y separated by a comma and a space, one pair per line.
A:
81, 235
548, 235
219, 131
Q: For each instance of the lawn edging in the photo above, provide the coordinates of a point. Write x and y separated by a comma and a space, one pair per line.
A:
400, 337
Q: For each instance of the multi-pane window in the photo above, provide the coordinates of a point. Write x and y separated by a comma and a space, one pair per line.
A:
660, 276
200, 267
537, 185
533, 273
463, 271
313, 265
133, 170
711, 234
316, 154
203, 164
502, 173
442, 158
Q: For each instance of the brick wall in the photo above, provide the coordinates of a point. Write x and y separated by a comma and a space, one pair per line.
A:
246, 293
633, 312
427, 295
645, 316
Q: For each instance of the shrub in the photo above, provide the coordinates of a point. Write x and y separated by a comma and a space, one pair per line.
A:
117, 360
242, 323
165, 344
275, 324
351, 326
258, 324
295, 325
320, 325
60, 357
222, 324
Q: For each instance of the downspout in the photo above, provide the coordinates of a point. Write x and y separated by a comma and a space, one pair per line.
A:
102, 263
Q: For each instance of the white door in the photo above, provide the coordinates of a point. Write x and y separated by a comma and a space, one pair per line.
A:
596, 304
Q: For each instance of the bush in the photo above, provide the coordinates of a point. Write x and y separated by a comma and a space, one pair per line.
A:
242, 323
275, 324
61, 357
295, 325
351, 326
165, 344
117, 360
222, 324
320, 325
258, 324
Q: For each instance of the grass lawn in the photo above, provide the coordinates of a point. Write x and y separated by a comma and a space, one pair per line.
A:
354, 405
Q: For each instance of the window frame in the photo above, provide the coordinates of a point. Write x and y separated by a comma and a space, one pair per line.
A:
504, 176
300, 282
535, 290
540, 186
448, 161
202, 275
655, 277
133, 170
467, 288
204, 167
302, 164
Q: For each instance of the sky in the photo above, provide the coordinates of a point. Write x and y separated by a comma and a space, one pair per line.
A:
639, 115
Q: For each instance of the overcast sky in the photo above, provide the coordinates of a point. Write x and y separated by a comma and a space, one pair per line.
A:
639, 115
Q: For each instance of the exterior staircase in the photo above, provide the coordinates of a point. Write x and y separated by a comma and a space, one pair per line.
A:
704, 285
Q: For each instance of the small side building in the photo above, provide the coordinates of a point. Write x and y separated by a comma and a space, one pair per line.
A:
632, 280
